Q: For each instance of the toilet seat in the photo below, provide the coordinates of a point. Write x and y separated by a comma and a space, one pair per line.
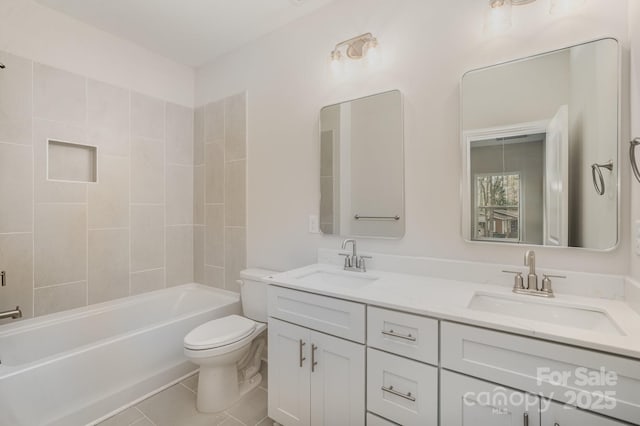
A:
219, 332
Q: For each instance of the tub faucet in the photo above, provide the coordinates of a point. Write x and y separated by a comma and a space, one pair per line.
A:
13, 314
353, 262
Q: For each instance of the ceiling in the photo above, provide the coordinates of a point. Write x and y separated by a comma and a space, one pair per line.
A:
191, 32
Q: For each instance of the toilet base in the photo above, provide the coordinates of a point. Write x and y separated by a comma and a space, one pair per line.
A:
220, 398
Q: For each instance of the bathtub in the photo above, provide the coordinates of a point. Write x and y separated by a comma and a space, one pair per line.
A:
80, 366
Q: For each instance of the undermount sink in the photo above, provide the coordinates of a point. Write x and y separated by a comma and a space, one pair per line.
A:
347, 279
582, 317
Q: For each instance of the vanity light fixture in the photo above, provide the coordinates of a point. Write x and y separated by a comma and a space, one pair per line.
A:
356, 48
498, 17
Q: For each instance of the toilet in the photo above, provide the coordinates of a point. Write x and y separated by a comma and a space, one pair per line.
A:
228, 349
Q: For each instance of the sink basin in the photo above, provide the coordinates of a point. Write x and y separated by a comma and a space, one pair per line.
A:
582, 317
347, 279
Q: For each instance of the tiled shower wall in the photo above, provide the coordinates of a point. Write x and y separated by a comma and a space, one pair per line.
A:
65, 244
220, 192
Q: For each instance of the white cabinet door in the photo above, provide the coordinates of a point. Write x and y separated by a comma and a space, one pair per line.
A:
289, 373
564, 415
465, 401
337, 381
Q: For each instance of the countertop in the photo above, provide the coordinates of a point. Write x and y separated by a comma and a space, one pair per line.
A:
449, 300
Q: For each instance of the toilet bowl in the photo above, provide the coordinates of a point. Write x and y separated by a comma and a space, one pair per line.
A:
229, 349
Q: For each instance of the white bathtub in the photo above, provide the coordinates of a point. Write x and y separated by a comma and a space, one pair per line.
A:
79, 366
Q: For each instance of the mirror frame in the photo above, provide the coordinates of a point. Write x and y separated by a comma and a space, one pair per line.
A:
403, 209
465, 165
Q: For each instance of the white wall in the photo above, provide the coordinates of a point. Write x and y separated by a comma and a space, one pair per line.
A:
634, 38
33, 31
425, 48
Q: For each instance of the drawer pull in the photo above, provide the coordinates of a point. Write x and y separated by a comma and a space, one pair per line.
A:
392, 333
313, 357
526, 419
392, 391
301, 357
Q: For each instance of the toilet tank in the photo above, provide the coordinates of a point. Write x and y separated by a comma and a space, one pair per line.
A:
253, 293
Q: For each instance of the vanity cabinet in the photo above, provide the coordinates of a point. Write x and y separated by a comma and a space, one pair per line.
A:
315, 378
563, 415
465, 401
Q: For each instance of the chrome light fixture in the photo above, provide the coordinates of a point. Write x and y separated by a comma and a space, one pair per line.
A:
356, 47
498, 16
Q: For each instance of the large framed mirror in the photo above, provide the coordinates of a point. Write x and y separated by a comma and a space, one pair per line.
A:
540, 140
362, 167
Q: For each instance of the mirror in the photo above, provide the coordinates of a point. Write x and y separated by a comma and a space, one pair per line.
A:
362, 167
540, 149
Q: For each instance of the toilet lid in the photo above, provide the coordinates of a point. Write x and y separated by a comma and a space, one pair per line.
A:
219, 332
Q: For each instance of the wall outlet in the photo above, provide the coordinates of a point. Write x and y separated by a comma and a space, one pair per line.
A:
314, 224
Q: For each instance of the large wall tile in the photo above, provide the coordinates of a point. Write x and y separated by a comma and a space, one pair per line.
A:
179, 195
198, 253
49, 300
235, 193
235, 256
16, 86
214, 172
214, 240
198, 195
214, 122
145, 281
179, 136
47, 191
179, 260
59, 95
147, 116
16, 189
111, 140
107, 106
147, 171
235, 124
109, 197
60, 243
214, 276
108, 265
16, 258
198, 136
147, 237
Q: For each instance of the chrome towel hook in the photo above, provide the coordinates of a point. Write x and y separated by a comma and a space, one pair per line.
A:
632, 157
595, 168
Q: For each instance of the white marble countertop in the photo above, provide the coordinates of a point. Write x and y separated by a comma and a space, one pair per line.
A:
449, 300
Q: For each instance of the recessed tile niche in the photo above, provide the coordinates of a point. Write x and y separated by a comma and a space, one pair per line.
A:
71, 162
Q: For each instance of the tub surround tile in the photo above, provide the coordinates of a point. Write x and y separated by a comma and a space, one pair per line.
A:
147, 170
214, 121
58, 298
146, 281
107, 106
198, 195
147, 117
198, 136
179, 260
235, 124
214, 276
235, 256
16, 188
198, 253
235, 193
108, 265
16, 254
180, 187
109, 197
16, 100
214, 172
59, 95
215, 238
47, 191
179, 137
111, 140
147, 237
60, 243
176, 406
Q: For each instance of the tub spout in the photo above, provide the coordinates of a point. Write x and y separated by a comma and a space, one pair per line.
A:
13, 314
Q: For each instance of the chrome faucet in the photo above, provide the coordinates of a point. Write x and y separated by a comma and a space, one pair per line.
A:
13, 314
353, 262
530, 285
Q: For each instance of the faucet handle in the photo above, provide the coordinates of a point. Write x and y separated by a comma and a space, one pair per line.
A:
546, 282
518, 279
347, 259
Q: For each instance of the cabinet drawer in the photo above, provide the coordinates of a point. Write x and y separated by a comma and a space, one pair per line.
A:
404, 334
564, 373
332, 316
402, 390
373, 420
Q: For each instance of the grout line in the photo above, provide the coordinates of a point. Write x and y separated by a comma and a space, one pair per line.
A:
17, 144
33, 194
166, 201
187, 387
97, 159
235, 418
108, 229
15, 233
130, 116
146, 270
63, 203
58, 285
262, 420
144, 416
224, 191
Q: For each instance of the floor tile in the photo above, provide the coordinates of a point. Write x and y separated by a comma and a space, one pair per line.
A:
252, 408
143, 422
230, 421
126, 418
266, 422
191, 382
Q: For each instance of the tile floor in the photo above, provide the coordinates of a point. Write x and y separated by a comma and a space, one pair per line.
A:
176, 406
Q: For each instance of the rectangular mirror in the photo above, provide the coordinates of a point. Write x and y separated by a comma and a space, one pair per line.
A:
362, 167
540, 149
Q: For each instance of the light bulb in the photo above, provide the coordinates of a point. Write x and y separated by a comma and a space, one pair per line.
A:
498, 17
